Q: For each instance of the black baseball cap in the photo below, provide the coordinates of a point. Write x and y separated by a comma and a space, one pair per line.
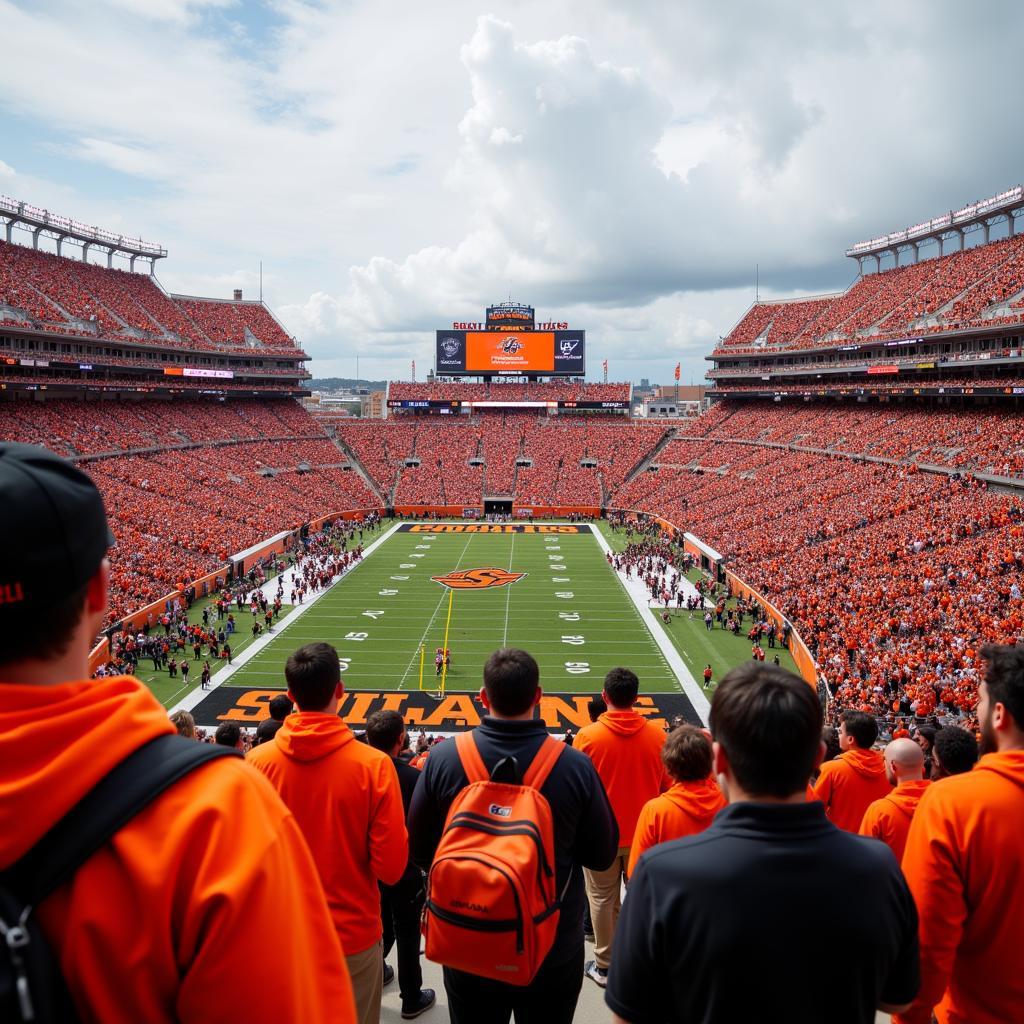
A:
54, 527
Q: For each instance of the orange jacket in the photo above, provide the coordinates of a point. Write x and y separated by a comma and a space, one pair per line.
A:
687, 808
963, 865
849, 784
626, 751
889, 819
207, 888
347, 801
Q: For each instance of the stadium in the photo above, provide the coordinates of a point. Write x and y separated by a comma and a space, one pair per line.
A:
847, 504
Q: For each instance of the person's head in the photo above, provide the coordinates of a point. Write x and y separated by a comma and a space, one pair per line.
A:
621, 687
830, 737
54, 572
313, 674
228, 734
766, 724
385, 731
1001, 699
904, 762
596, 707
687, 754
857, 730
511, 683
185, 724
955, 752
280, 707
924, 737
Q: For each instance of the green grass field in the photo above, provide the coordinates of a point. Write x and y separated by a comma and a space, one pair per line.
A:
569, 610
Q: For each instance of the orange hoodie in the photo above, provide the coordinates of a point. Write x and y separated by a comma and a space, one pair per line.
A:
965, 867
347, 801
207, 888
889, 819
849, 784
626, 751
687, 808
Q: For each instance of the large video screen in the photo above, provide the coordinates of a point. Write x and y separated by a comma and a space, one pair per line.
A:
510, 353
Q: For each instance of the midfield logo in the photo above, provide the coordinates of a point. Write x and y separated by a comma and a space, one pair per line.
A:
478, 579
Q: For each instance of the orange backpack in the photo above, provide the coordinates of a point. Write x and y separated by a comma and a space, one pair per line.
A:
491, 907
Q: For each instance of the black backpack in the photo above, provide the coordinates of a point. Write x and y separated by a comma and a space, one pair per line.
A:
32, 987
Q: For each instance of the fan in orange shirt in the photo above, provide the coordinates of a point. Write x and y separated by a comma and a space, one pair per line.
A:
856, 778
889, 819
692, 802
962, 865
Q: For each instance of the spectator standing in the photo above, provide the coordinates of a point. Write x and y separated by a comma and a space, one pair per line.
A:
346, 799
955, 751
584, 834
727, 925
851, 782
401, 904
280, 708
626, 751
962, 862
190, 891
692, 802
889, 819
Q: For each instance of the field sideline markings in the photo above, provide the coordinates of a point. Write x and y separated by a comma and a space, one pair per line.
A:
444, 594
508, 593
222, 675
689, 685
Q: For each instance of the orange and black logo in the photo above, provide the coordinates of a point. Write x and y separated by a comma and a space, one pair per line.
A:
478, 579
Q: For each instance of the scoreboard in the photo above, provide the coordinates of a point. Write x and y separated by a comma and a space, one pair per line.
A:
510, 352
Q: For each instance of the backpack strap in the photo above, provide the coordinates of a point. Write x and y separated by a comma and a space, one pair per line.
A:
117, 798
542, 763
469, 754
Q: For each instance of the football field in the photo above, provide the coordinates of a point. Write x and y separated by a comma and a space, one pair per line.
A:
548, 589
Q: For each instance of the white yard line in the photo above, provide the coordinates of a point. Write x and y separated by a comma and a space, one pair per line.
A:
508, 593
224, 674
640, 600
444, 594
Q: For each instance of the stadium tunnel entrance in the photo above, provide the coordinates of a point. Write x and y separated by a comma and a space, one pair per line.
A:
497, 507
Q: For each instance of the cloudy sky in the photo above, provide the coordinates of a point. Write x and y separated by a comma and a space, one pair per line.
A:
397, 166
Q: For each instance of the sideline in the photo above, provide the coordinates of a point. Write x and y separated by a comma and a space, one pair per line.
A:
224, 674
640, 598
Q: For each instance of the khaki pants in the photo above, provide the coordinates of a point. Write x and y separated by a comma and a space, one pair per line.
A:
604, 893
366, 969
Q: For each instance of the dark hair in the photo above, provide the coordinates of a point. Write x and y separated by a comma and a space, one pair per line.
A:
511, 678
956, 750
280, 707
830, 737
596, 707
861, 726
768, 722
622, 686
43, 633
383, 729
929, 732
228, 734
313, 672
687, 754
1004, 678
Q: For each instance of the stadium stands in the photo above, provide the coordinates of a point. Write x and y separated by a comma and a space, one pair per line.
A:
554, 391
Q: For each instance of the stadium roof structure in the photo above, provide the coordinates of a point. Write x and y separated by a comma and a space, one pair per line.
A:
15, 213
957, 223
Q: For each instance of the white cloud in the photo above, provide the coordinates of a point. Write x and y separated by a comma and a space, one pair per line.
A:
6, 170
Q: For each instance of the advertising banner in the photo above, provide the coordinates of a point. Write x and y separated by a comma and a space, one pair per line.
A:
510, 353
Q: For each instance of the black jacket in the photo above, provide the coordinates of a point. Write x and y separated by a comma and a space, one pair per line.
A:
586, 834
407, 779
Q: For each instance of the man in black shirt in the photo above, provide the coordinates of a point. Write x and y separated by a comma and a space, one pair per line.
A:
773, 913
280, 709
402, 903
585, 835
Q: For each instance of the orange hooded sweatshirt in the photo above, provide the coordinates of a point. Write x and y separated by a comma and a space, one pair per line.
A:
889, 819
347, 801
626, 751
965, 868
207, 888
686, 809
849, 784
